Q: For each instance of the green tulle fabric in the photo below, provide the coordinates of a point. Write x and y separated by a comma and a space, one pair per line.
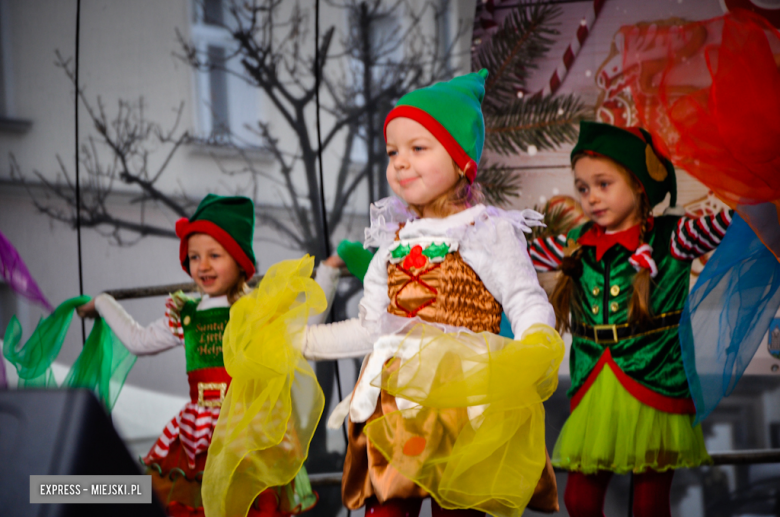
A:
611, 430
102, 365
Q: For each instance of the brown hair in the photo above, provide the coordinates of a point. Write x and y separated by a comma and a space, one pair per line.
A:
462, 195
239, 289
639, 309
571, 271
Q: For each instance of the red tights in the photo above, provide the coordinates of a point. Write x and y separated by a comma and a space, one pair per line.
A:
584, 496
411, 508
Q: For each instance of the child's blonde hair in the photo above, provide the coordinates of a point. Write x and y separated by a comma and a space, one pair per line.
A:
639, 308
462, 195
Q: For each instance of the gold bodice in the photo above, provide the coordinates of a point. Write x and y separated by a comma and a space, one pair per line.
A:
447, 292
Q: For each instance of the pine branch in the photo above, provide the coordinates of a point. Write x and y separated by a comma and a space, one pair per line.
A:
545, 122
498, 183
511, 54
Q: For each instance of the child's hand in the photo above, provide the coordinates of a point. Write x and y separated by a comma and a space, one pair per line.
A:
88, 310
334, 261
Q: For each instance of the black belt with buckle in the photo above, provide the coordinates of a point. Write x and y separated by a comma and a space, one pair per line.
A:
611, 334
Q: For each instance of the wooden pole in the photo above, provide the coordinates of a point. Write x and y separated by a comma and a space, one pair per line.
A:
165, 290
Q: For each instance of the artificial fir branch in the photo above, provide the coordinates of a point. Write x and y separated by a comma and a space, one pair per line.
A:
498, 183
510, 54
515, 119
544, 122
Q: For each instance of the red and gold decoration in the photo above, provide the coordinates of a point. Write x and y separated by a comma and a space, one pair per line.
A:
709, 89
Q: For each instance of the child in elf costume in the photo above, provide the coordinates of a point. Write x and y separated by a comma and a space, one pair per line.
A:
216, 251
444, 407
624, 282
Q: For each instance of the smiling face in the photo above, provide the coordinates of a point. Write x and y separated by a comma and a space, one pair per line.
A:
211, 266
419, 170
607, 193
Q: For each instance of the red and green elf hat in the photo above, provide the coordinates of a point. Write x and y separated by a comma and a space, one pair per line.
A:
634, 149
452, 112
230, 221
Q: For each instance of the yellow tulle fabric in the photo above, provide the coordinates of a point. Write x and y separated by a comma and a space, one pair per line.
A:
274, 402
476, 440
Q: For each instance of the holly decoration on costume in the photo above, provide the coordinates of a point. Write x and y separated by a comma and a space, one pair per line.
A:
437, 252
401, 251
417, 256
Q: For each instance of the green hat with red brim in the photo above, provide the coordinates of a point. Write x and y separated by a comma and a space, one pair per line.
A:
636, 150
452, 112
228, 220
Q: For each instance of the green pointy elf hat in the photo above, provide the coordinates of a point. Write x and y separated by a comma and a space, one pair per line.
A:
634, 149
452, 112
230, 221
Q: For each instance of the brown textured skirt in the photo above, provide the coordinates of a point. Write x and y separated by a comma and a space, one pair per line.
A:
367, 472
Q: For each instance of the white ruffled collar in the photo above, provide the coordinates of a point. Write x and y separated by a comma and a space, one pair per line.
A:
208, 302
387, 214
440, 226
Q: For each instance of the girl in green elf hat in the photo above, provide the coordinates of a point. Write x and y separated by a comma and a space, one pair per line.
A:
216, 251
444, 407
624, 282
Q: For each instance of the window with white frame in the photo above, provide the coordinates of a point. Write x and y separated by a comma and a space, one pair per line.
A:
4, 40
383, 40
9, 121
228, 107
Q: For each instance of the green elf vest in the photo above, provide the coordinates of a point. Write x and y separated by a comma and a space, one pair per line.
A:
203, 332
648, 365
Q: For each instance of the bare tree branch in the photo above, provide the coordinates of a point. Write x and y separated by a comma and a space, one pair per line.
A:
376, 65
384, 51
127, 139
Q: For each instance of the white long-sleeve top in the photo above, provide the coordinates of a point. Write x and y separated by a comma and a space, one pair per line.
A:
158, 336
491, 241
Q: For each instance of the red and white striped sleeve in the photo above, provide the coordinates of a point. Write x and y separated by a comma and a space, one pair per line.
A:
694, 237
173, 318
547, 252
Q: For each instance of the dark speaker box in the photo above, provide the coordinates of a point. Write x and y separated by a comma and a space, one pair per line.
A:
60, 432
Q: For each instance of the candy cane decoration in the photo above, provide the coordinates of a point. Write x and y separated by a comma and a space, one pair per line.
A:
573, 49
